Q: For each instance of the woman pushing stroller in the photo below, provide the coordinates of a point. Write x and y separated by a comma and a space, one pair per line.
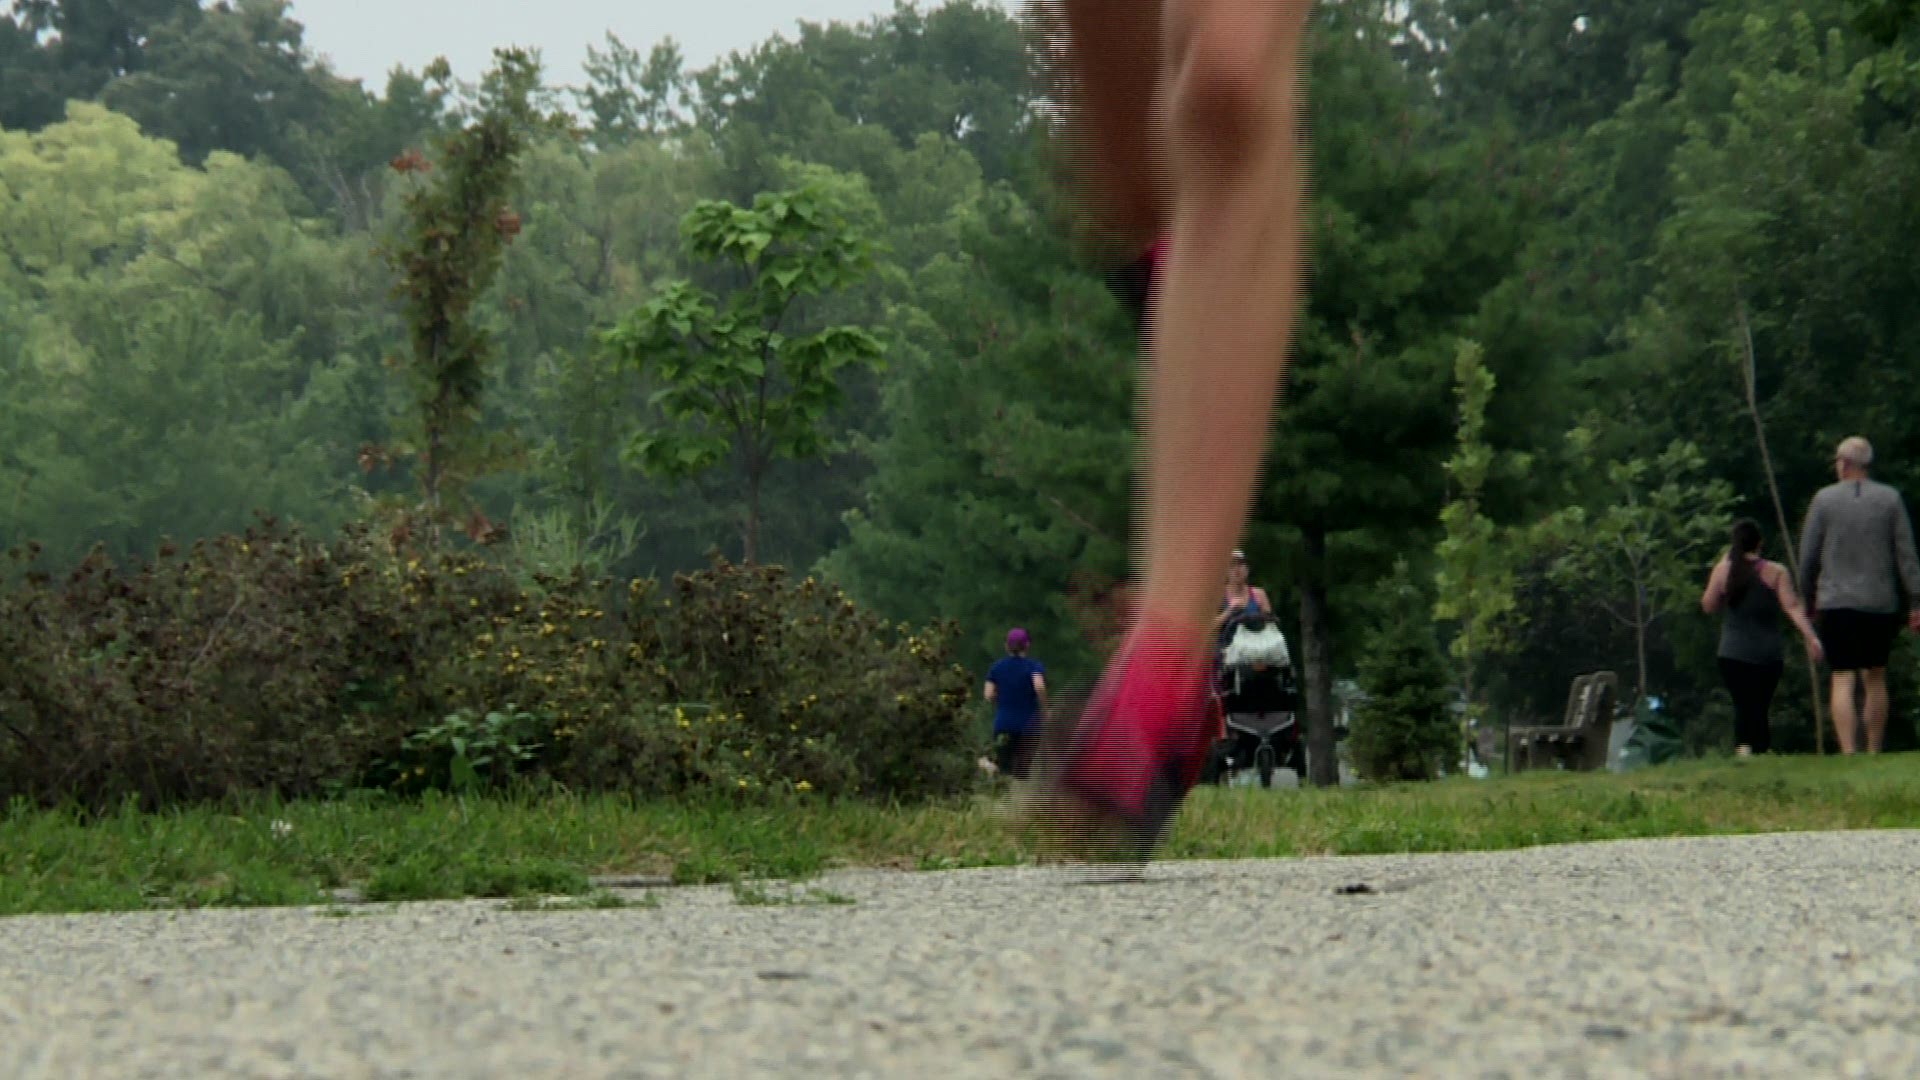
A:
1243, 599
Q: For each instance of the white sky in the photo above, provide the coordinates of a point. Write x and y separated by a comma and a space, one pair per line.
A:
365, 39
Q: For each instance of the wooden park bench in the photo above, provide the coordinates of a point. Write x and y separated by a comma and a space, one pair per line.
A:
1580, 742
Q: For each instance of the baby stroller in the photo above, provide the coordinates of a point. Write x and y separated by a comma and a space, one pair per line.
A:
1259, 702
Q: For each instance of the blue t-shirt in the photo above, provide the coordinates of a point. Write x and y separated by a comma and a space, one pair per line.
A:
1017, 705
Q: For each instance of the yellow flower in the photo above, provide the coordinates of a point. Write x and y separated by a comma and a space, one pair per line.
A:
743, 783
803, 786
747, 753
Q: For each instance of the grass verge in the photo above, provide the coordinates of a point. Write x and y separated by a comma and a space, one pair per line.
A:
270, 854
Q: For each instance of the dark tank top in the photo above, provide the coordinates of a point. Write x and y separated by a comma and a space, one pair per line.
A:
1750, 630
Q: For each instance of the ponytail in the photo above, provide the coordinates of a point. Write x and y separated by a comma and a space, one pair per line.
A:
1742, 572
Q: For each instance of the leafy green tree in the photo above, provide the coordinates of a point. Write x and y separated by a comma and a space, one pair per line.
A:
1476, 578
1640, 555
235, 77
630, 97
85, 44
1418, 242
30, 96
733, 382
180, 349
1555, 67
853, 97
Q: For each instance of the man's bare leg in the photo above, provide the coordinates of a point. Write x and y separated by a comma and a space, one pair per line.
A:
1846, 718
1876, 682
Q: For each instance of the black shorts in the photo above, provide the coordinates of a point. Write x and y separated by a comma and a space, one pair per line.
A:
1857, 640
1013, 752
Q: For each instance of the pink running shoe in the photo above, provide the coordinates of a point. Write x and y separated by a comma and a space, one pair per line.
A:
1141, 743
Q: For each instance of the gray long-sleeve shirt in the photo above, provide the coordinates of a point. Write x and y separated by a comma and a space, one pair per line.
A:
1856, 551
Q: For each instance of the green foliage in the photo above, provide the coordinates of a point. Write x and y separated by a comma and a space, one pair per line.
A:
1605, 200
270, 663
458, 226
180, 348
1004, 473
466, 751
1640, 556
629, 97
733, 380
1476, 578
1404, 729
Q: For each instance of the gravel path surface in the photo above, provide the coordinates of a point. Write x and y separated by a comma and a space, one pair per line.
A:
1760, 956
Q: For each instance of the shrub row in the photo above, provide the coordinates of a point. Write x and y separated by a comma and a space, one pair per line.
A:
272, 662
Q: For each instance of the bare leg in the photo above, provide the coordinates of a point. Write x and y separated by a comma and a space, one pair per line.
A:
1876, 681
1228, 118
1213, 143
1232, 288
1845, 718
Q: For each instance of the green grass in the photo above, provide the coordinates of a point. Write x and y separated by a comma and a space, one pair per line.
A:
272, 854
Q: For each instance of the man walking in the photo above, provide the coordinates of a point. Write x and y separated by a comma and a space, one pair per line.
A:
1856, 559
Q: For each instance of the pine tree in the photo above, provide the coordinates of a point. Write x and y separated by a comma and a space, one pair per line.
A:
1403, 730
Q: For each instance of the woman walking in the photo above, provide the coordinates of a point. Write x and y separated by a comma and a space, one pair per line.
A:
1753, 592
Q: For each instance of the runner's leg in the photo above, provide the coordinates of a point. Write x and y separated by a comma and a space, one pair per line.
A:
1230, 291
1223, 321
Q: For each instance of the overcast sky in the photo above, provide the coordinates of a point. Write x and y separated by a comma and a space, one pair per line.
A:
366, 38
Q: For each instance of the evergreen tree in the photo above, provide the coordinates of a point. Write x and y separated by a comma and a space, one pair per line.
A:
1404, 729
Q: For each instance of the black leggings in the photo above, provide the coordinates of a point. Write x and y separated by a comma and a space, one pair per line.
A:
1752, 687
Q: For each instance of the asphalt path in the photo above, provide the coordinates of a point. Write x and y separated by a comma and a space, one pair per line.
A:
1791, 956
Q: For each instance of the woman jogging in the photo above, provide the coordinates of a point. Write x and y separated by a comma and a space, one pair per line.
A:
1187, 118
1753, 593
